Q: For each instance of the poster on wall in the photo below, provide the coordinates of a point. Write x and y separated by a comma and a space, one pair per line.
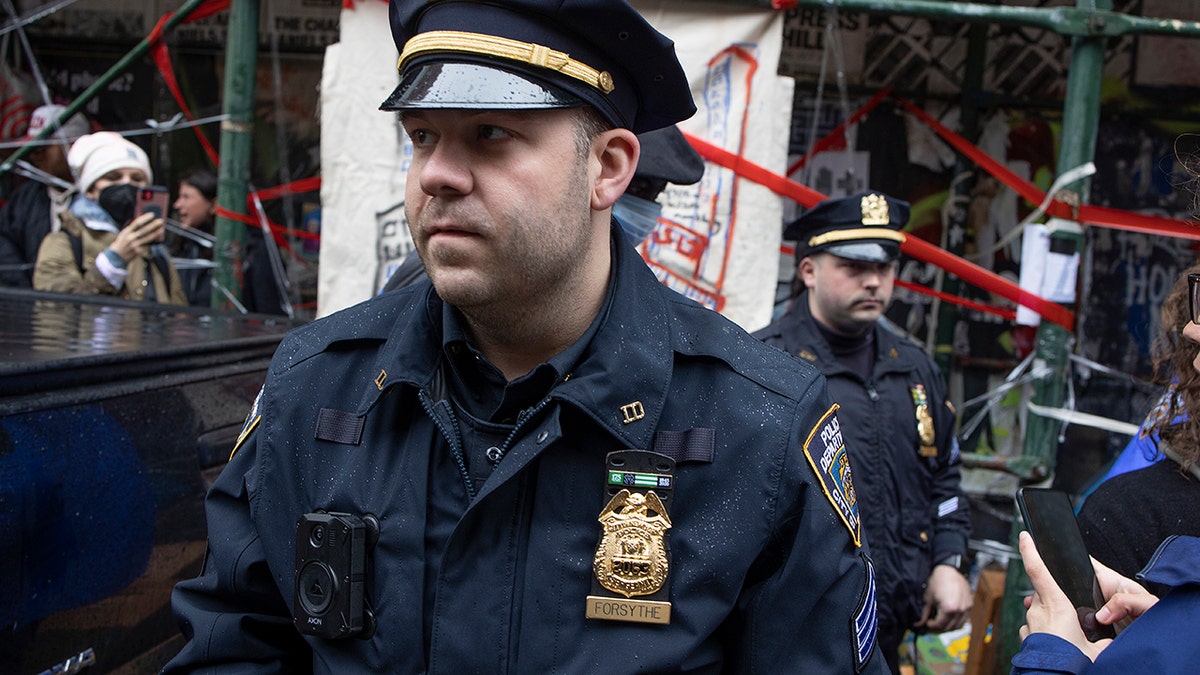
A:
813, 36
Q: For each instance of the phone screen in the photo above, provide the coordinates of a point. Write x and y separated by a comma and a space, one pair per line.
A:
151, 199
1050, 519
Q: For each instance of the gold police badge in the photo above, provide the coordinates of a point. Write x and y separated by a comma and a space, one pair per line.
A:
924, 421
631, 558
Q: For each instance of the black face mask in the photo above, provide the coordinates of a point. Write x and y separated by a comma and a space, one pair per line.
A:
119, 201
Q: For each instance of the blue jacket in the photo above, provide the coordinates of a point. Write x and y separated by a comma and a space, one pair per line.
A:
766, 574
915, 512
1161, 641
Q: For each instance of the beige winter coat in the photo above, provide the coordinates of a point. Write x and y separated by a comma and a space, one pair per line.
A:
56, 269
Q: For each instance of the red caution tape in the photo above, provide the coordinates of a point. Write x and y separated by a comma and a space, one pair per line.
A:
295, 187
780, 185
986, 279
1002, 312
162, 59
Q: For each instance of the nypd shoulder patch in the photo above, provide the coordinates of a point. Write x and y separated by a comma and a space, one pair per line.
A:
826, 454
249, 425
864, 625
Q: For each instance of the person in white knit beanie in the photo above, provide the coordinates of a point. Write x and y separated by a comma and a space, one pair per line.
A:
93, 156
104, 248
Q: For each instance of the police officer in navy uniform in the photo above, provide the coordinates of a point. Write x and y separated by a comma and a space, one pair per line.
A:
895, 417
541, 460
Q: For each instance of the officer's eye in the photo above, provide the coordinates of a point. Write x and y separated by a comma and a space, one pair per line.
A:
490, 132
420, 137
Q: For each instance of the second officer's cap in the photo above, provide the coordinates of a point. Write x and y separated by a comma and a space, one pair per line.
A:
535, 54
864, 226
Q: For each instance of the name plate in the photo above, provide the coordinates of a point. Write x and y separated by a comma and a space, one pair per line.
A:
621, 609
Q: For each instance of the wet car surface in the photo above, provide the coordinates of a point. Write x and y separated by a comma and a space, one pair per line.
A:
114, 418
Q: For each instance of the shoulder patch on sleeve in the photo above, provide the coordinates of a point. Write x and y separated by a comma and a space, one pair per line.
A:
832, 468
249, 425
865, 622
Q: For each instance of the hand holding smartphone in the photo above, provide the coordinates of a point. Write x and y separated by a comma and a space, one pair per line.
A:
1050, 519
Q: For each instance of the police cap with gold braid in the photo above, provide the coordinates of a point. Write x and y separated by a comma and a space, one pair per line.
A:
864, 226
534, 54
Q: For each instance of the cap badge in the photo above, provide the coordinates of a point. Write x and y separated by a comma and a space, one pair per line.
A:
875, 210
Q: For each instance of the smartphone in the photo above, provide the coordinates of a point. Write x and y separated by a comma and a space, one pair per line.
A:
151, 199
1050, 518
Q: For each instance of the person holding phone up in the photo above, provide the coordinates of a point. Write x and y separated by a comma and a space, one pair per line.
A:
1153, 636
104, 248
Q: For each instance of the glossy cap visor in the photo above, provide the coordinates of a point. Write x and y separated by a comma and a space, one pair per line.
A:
473, 86
865, 251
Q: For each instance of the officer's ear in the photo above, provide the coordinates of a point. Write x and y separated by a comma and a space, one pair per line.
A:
806, 271
615, 157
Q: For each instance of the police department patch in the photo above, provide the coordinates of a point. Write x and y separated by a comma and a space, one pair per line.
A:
249, 425
831, 464
865, 622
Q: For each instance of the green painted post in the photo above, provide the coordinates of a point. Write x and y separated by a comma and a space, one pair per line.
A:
1081, 114
233, 178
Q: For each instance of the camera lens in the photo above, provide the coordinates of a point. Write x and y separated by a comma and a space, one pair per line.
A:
316, 536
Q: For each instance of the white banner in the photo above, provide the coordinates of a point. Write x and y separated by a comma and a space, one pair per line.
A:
364, 158
718, 242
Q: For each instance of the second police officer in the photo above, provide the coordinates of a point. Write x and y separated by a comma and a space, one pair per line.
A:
896, 419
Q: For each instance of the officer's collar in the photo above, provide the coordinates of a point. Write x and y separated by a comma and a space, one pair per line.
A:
622, 378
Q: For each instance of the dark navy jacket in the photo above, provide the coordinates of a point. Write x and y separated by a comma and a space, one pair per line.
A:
765, 576
1163, 640
914, 510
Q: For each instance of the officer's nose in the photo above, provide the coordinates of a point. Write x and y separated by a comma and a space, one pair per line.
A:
445, 171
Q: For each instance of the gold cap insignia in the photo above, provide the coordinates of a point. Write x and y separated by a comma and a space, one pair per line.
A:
875, 210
